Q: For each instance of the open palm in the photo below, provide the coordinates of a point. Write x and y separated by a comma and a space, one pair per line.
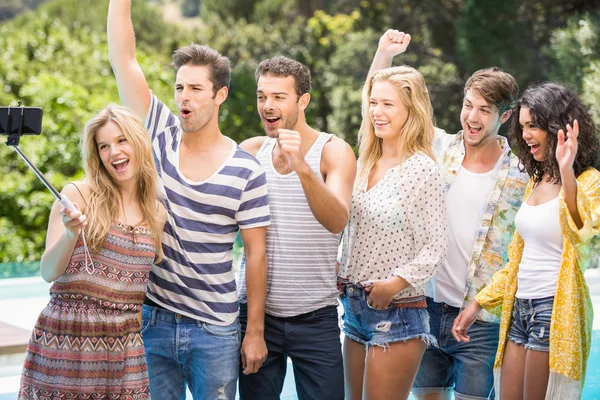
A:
566, 149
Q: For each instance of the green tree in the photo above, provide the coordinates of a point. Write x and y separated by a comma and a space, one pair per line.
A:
54, 61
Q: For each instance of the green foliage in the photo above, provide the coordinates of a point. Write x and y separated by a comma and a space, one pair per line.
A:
52, 60
190, 8
576, 49
228, 9
591, 89
11, 8
56, 57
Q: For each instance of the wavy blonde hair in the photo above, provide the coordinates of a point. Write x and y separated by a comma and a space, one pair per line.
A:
105, 202
418, 131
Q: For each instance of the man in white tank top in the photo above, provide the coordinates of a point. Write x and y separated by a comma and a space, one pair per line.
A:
310, 176
485, 190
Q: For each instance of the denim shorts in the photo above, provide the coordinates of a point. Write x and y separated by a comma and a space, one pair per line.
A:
530, 324
380, 327
465, 369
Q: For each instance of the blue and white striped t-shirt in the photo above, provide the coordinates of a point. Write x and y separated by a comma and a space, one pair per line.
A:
195, 277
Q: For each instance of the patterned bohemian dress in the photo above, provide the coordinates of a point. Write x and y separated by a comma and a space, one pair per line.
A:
86, 343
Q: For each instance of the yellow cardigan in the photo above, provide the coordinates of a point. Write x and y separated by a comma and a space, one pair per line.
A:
572, 314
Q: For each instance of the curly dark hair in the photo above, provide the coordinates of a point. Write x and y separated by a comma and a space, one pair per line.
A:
552, 107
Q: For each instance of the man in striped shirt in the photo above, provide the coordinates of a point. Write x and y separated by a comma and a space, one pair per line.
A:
310, 175
212, 189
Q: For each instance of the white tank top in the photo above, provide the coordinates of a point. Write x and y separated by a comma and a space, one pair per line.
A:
539, 227
301, 253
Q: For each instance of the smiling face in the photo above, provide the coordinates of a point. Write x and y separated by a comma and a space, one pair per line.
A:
278, 103
116, 153
535, 137
480, 120
195, 97
387, 111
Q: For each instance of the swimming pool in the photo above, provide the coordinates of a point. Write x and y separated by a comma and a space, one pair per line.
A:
22, 299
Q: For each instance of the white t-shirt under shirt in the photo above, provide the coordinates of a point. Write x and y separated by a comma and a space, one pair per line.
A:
539, 226
469, 192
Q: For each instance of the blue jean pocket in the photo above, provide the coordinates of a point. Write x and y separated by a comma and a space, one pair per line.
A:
145, 325
389, 307
146, 319
232, 330
540, 324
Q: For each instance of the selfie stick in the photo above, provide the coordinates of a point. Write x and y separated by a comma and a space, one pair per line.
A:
13, 141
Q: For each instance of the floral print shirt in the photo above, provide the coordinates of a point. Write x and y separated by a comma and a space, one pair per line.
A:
489, 253
572, 313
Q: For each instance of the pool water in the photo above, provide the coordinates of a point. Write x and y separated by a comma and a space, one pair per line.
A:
21, 300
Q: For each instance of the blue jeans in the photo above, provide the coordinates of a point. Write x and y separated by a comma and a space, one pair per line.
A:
183, 351
530, 325
312, 341
465, 367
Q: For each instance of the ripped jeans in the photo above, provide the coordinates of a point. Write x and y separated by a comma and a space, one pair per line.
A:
530, 325
380, 327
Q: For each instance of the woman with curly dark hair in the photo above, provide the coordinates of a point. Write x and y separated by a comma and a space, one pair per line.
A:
547, 315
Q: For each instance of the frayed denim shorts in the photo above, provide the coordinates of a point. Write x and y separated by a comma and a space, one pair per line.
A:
530, 324
381, 327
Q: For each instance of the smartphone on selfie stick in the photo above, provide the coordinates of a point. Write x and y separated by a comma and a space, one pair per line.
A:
18, 121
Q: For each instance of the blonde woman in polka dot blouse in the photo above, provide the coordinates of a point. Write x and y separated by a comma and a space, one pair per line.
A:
395, 239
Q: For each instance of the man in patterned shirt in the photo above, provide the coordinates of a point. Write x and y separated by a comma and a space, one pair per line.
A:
485, 190
212, 189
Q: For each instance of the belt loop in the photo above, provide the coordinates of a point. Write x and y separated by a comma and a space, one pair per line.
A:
153, 316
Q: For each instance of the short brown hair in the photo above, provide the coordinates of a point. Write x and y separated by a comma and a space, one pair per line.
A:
281, 66
497, 87
219, 67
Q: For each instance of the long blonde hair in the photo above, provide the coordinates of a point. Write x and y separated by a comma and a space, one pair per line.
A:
418, 131
104, 204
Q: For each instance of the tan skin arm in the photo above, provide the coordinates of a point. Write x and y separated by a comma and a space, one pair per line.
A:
133, 88
566, 151
64, 228
253, 144
330, 201
391, 43
464, 320
254, 348
162, 217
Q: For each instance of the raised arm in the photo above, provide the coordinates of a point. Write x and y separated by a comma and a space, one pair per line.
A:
391, 43
133, 88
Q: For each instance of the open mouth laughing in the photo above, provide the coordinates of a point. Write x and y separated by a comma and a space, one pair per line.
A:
121, 164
